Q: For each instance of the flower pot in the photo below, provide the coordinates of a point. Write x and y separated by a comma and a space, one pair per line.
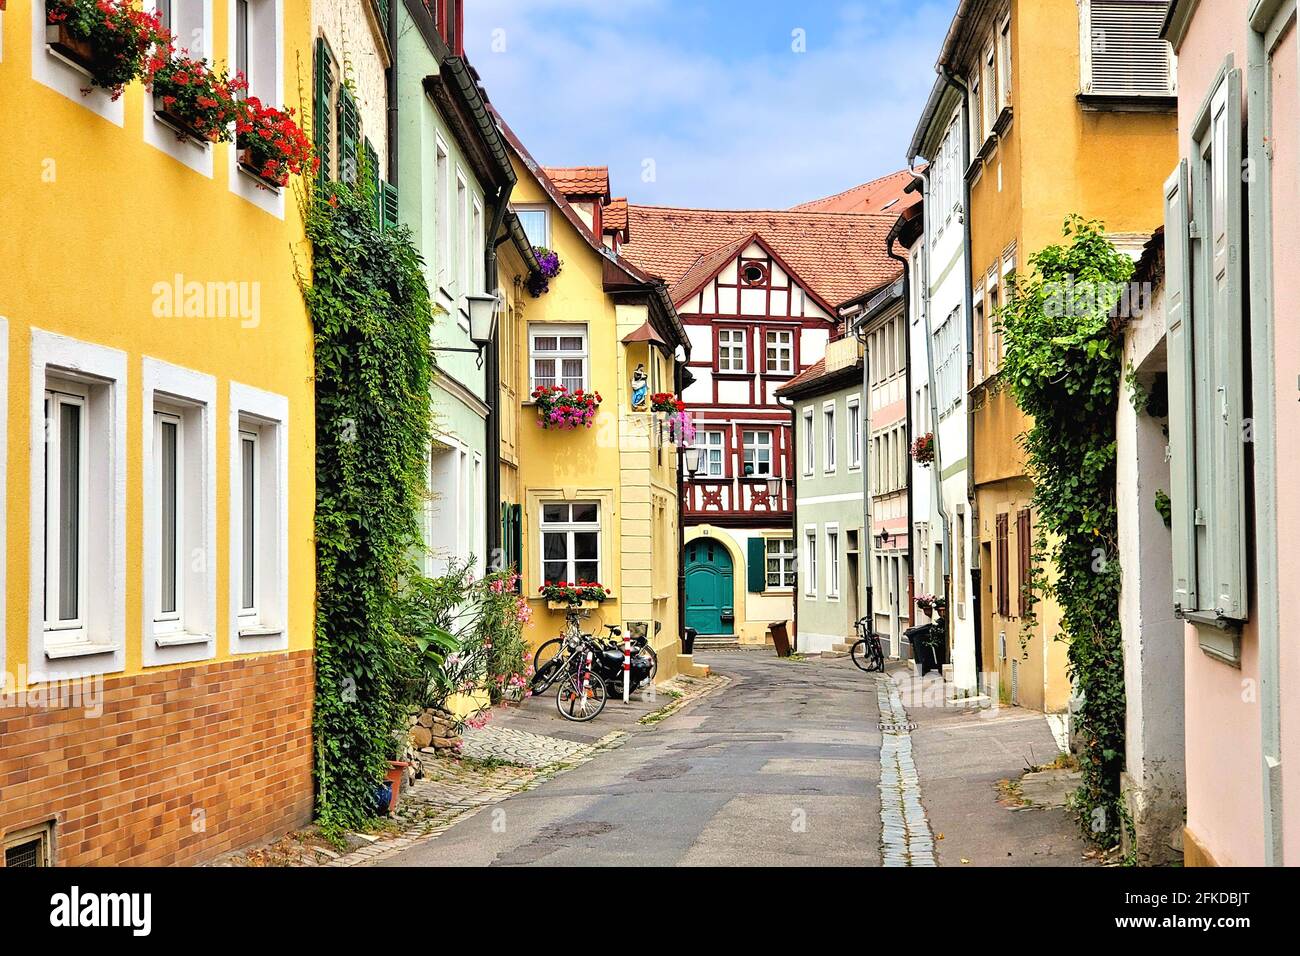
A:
179, 123
73, 49
396, 772
250, 167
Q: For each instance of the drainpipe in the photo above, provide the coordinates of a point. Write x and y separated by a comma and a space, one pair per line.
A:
390, 92
682, 491
1264, 412
867, 544
907, 387
492, 385
975, 571
794, 505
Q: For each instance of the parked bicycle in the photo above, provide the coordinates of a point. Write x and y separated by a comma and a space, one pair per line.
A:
867, 652
550, 659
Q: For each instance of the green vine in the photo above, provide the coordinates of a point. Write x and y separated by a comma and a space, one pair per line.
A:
1064, 368
371, 314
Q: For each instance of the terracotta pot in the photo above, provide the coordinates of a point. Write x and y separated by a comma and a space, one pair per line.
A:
581, 605
395, 775
71, 48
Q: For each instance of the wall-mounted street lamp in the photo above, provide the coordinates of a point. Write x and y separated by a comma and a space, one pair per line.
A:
691, 460
774, 489
883, 538
483, 311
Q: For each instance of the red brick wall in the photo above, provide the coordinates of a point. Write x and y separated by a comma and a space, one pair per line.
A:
231, 740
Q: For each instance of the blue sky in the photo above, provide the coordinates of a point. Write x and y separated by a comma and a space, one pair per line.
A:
707, 104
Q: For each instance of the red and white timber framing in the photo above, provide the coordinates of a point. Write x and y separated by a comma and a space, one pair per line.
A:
753, 326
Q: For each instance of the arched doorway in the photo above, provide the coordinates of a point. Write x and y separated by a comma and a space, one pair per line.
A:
709, 588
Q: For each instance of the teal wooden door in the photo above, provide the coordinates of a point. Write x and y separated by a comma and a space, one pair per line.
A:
709, 591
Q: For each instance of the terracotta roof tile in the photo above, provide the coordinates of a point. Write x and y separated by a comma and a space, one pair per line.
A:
838, 255
816, 370
580, 180
615, 214
873, 196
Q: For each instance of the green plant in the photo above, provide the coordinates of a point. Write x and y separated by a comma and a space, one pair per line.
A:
372, 318
565, 593
1164, 507
1064, 368
204, 98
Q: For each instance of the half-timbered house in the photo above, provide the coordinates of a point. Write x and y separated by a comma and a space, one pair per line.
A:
758, 292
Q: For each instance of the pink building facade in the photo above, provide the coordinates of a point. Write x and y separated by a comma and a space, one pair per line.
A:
1232, 289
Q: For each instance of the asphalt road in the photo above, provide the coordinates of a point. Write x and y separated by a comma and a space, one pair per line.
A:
779, 768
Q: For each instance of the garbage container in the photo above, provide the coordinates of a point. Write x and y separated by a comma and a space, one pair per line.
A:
923, 637
780, 637
688, 640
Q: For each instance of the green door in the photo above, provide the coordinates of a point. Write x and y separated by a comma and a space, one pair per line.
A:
709, 588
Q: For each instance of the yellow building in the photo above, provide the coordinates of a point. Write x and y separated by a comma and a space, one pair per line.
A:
1070, 109
600, 502
157, 468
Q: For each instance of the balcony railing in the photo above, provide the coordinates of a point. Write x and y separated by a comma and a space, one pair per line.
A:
737, 497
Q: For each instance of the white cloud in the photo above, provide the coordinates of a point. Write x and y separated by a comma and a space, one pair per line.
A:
731, 116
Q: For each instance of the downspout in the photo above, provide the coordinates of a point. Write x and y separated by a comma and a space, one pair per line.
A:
868, 550
682, 491
969, 297
390, 91
492, 385
1264, 412
794, 503
907, 387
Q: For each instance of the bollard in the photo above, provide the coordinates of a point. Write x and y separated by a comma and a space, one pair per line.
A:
627, 668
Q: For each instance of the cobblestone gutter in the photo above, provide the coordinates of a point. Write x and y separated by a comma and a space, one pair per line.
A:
905, 836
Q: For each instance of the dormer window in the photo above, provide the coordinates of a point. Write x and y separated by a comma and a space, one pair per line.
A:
754, 273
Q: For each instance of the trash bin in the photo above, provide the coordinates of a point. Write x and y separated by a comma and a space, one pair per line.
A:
922, 637
688, 640
780, 637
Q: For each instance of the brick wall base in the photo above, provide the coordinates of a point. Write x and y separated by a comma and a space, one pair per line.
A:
180, 766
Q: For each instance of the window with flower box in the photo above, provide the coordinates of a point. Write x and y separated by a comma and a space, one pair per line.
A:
570, 542
557, 356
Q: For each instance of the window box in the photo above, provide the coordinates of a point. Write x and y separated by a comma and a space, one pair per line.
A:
565, 605
249, 165
183, 127
75, 50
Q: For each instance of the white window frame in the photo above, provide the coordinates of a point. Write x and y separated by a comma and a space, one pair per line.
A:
444, 248
810, 560
832, 536
68, 79
266, 415
196, 154
4, 482
757, 446
190, 633
830, 432
854, 407
786, 558
809, 442
99, 648
1004, 60
707, 447
558, 355
539, 209
782, 340
731, 341
569, 529
268, 17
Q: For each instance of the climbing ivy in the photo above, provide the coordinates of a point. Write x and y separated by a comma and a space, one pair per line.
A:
371, 315
1064, 367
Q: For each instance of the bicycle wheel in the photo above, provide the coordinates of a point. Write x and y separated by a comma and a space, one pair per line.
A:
546, 653
877, 655
574, 704
649, 652
862, 657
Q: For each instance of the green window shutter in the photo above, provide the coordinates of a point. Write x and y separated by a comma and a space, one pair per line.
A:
322, 114
1226, 412
372, 176
1182, 393
349, 136
389, 205
757, 565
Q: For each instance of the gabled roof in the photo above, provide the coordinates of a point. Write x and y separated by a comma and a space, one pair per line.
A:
710, 264
885, 194
614, 215
815, 380
837, 256
580, 180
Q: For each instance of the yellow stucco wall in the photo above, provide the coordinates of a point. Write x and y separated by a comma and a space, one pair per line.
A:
617, 462
1055, 158
92, 217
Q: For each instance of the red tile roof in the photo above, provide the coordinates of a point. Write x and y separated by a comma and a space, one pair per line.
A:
839, 256
580, 180
869, 197
614, 215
